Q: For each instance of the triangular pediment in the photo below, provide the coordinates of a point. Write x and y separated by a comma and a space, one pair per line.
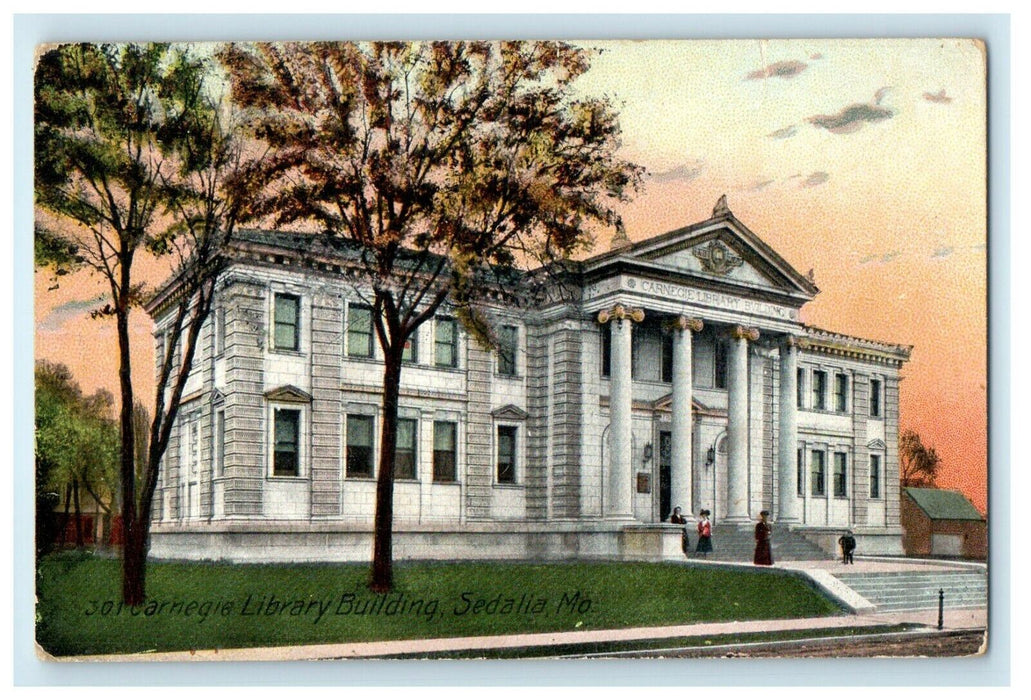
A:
665, 403
877, 444
509, 412
288, 394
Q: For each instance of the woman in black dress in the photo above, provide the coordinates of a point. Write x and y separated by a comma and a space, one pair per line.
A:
763, 553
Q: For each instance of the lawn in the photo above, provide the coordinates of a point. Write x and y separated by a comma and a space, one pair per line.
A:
216, 605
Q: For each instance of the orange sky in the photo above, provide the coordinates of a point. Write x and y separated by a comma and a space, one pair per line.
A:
863, 160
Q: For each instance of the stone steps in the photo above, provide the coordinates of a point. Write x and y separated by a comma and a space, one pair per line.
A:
737, 543
900, 591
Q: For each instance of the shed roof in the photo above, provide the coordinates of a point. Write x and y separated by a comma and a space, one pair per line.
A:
941, 504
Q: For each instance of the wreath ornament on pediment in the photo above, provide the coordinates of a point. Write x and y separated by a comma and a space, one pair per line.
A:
717, 258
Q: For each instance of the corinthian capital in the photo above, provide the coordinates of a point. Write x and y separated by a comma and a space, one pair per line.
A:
744, 333
620, 313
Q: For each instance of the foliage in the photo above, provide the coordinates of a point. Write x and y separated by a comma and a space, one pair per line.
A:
134, 156
918, 464
438, 165
621, 594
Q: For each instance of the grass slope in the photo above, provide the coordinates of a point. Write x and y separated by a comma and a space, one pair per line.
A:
207, 605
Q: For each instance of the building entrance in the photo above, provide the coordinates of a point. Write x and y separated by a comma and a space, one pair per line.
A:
665, 465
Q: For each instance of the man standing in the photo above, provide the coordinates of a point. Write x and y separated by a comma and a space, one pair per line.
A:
848, 545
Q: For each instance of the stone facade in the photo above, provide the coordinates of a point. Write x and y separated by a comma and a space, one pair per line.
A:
658, 384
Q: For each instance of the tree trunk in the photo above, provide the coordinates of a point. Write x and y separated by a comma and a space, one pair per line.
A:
79, 542
134, 567
64, 518
132, 559
382, 548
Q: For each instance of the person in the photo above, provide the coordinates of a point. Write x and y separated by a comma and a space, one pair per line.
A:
678, 519
848, 546
704, 534
763, 553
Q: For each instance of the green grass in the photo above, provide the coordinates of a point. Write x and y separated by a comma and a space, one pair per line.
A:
78, 610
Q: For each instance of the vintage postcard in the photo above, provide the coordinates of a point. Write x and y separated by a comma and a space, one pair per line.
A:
528, 349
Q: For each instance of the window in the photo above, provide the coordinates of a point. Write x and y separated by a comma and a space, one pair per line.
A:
875, 476
359, 331
444, 444
840, 474
220, 330
506, 454
875, 398
287, 322
404, 450
446, 342
220, 443
800, 471
720, 378
819, 390
841, 393
508, 346
800, 388
606, 352
667, 358
286, 451
359, 445
818, 468
411, 349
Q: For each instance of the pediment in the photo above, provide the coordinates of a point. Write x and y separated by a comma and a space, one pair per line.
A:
288, 394
876, 445
509, 412
665, 403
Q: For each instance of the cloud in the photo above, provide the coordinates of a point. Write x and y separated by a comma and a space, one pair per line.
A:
868, 259
681, 173
888, 257
785, 133
67, 311
853, 117
759, 185
939, 97
942, 252
878, 96
816, 56
817, 178
780, 69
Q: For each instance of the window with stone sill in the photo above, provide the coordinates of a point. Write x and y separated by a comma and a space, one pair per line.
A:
446, 342
287, 322
875, 398
506, 454
445, 444
410, 353
818, 472
404, 450
875, 476
358, 456
286, 442
359, 331
840, 475
819, 390
508, 347
800, 472
841, 393
800, 388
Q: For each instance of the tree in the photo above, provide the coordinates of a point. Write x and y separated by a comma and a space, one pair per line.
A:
435, 165
76, 447
135, 157
918, 464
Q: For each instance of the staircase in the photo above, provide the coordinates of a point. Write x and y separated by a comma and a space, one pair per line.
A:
737, 543
918, 590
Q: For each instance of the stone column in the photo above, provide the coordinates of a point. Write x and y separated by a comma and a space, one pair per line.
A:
619, 485
789, 508
737, 423
682, 448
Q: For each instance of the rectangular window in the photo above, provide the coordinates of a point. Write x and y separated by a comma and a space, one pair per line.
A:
220, 330
359, 331
667, 358
444, 447
508, 346
819, 390
359, 445
286, 459
404, 451
840, 474
841, 393
818, 470
288, 322
506, 454
720, 377
800, 471
875, 398
220, 443
800, 388
446, 341
411, 349
606, 352
875, 476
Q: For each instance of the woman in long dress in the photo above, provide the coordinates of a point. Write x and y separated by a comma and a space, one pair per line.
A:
763, 553
704, 534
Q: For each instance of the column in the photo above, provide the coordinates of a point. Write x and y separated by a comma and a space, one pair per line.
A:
789, 507
681, 476
737, 423
619, 485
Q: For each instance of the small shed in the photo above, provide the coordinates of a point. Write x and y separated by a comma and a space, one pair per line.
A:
942, 523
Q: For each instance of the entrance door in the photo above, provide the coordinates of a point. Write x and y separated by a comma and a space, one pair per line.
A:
665, 465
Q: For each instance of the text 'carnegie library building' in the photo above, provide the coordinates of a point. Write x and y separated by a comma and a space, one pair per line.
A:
670, 372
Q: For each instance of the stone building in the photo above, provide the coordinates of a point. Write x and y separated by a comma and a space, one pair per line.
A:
676, 372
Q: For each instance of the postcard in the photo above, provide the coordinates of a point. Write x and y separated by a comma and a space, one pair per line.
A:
526, 349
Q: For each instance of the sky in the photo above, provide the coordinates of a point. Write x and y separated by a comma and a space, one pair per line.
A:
863, 160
